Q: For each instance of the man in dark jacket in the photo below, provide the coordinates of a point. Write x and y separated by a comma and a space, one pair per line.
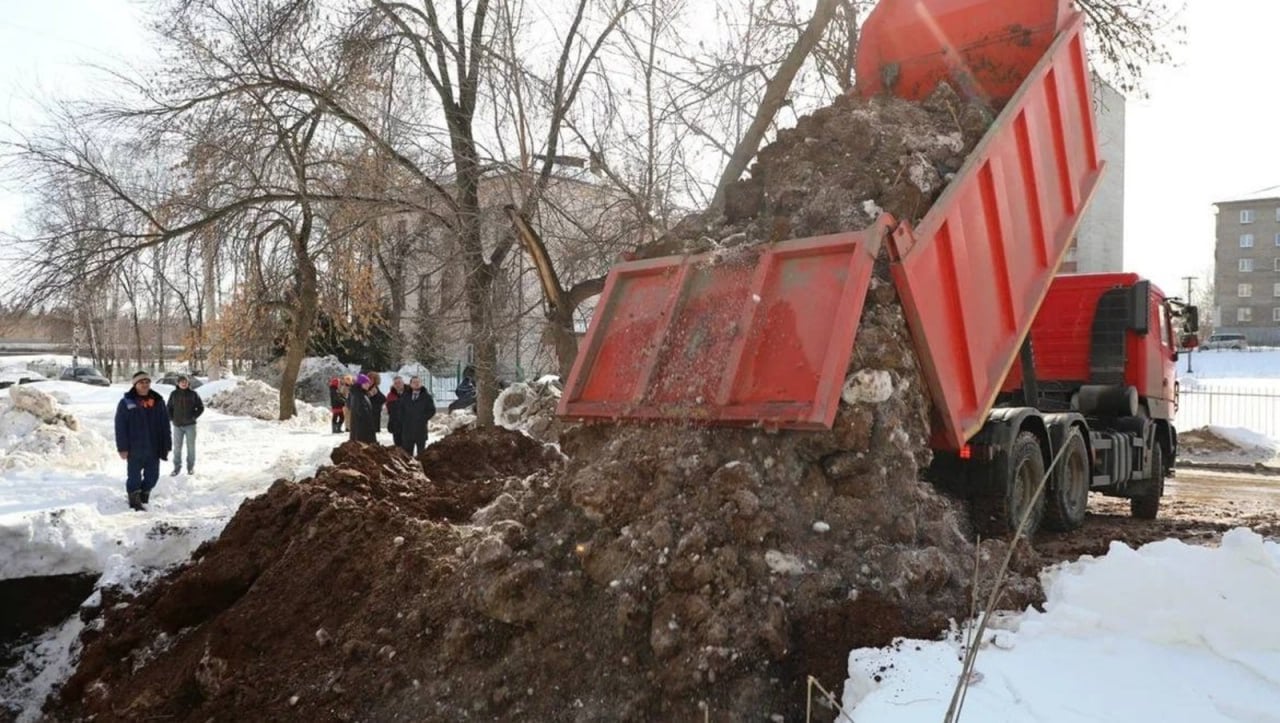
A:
360, 418
142, 438
393, 409
185, 407
415, 407
466, 390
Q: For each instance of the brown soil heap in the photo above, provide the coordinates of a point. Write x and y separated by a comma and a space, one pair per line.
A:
663, 573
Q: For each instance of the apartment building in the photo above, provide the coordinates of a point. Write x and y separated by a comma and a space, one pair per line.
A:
1099, 242
1247, 269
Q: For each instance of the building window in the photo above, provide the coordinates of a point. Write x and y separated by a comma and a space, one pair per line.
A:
1246, 215
1244, 290
1275, 314
1244, 315
1275, 290
1277, 265
1278, 239
1246, 240
1246, 264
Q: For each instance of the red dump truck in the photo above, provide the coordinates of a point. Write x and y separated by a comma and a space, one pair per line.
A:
1030, 374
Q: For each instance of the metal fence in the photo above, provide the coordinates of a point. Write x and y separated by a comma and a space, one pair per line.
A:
1257, 410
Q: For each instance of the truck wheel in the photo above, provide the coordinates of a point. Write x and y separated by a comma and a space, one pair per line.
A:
1068, 493
1147, 506
1000, 512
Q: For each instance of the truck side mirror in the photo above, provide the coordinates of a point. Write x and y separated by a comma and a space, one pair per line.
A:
1140, 307
1191, 320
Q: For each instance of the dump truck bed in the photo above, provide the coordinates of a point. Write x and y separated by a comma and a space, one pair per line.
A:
693, 338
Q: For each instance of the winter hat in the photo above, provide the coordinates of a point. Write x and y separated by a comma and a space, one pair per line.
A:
140, 375
333, 383
361, 380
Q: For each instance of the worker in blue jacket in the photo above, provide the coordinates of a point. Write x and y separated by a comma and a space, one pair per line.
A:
143, 438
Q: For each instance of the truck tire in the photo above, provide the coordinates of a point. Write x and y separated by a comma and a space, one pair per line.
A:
998, 513
1067, 498
1147, 506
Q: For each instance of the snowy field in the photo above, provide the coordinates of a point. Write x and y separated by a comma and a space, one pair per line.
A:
1235, 390
62, 499
1169, 632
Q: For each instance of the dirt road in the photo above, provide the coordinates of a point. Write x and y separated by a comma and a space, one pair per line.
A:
1198, 506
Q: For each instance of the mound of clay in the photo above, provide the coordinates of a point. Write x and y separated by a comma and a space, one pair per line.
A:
485, 453
667, 573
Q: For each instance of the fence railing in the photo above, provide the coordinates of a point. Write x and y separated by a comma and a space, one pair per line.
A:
1257, 410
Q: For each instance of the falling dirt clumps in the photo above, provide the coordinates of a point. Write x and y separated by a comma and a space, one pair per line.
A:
664, 572
839, 169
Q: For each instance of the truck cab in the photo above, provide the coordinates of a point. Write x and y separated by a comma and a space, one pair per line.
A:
1097, 391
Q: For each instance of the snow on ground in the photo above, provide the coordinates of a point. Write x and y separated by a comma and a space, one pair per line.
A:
1168, 632
1230, 388
63, 507
1230, 369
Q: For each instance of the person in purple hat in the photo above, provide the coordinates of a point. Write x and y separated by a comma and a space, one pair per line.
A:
360, 421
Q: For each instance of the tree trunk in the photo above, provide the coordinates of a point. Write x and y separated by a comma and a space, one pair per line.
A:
303, 319
775, 94
479, 277
208, 251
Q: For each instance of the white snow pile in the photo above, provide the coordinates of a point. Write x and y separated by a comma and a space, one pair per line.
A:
446, 423
1168, 632
35, 432
259, 400
530, 408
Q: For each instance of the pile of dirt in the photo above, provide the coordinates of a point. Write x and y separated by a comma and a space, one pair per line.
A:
666, 573
530, 407
839, 169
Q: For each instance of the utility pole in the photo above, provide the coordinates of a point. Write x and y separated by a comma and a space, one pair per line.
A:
1189, 279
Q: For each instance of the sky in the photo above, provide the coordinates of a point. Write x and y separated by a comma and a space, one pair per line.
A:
1205, 134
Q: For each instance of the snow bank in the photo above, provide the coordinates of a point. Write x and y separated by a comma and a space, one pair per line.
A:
252, 398
35, 432
1245, 438
1168, 632
529, 408
446, 423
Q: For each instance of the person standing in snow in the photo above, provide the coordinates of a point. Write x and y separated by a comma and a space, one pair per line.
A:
142, 438
337, 406
377, 399
466, 390
185, 407
416, 407
360, 412
393, 409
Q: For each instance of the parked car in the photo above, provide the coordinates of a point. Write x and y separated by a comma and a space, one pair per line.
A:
171, 378
9, 377
85, 375
1226, 341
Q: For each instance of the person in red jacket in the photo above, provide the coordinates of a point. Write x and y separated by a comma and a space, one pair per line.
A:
337, 406
393, 412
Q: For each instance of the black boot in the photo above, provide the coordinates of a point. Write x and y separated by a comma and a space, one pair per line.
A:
135, 502
145, 497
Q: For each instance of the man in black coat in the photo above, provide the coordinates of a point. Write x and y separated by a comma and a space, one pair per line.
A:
360, 420
142, 438
416, 406
185, 407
